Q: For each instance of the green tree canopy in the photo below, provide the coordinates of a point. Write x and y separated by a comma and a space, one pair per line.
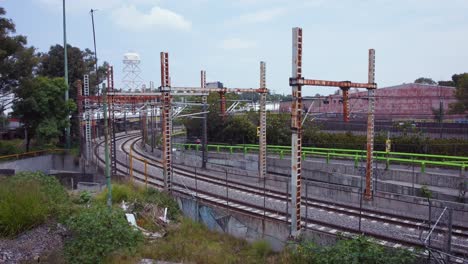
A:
424, 80
461, 93
16, 60
42, 109
80, 62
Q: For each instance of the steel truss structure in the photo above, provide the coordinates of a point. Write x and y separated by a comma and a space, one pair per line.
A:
296, 82
166, 93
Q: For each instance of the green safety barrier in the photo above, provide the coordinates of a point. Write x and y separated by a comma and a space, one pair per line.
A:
396, 157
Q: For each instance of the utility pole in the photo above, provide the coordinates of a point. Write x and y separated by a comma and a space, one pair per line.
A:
65, 56
95, 50
106, 149
205, 120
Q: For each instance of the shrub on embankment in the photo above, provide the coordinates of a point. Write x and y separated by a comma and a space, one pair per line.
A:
359, 250
139, 196
192, 242
28, 199
97, 231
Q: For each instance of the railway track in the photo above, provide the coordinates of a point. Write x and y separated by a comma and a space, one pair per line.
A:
276, 208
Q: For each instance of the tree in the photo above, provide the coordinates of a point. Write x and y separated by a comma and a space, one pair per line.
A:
80, 62
239, 129
42, 109
16, 60
461, 93
424, 80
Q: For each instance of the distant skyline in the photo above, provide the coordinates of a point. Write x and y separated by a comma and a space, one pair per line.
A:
228, 39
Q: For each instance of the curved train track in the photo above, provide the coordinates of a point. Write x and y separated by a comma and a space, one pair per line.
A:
271, 203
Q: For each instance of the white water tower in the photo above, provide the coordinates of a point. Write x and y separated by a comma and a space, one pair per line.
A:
131, 80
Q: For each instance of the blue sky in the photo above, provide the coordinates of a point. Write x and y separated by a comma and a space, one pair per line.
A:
412, 38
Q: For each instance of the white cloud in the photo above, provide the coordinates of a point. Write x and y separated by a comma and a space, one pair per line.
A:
130, 18
237, 43
260, 16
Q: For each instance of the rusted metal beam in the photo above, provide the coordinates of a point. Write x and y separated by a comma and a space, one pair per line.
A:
222, 104
341, 84
88, 123
166, 121
370, 129
262, 137
216, 90
111, 130
205, 121
296, 137
345, 104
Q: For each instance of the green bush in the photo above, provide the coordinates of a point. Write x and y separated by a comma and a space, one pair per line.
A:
162, 200
192, 242
28, 199
85, 197
359, 250
139, 196
97, 232
120, 192
261, 249
425, 192
8, 147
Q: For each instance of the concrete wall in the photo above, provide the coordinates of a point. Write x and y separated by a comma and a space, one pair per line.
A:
67, 168
44, 163
244, 226
339, 182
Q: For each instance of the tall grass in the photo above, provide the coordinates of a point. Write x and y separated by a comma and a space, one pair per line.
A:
27, 200
139, 196
192, 242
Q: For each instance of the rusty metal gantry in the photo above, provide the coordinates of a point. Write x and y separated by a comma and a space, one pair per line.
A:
167, 90
87, 102
296, 82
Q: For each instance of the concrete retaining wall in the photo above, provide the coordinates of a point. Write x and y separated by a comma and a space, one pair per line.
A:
44, 163
245, 226
340, 182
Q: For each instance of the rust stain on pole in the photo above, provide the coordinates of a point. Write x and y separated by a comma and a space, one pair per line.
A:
370, 129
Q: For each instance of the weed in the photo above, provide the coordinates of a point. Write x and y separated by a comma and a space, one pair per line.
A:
28, 199
98, 231
425, 192
192, 242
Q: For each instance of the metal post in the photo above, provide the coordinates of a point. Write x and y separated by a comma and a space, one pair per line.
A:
110, 84
152, 129
196, 184
360, 200
296, 129
306, 204
131, 166
262, 153
88, 116
345, 104
429, 220
448, 248
65, 62
146, 174
370, 128
227, 191
125, 121
264, 206
106, 150
287, 201
95, 50
412, 177
196, 194
79, 99
205, 122
167, 121
222, 98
